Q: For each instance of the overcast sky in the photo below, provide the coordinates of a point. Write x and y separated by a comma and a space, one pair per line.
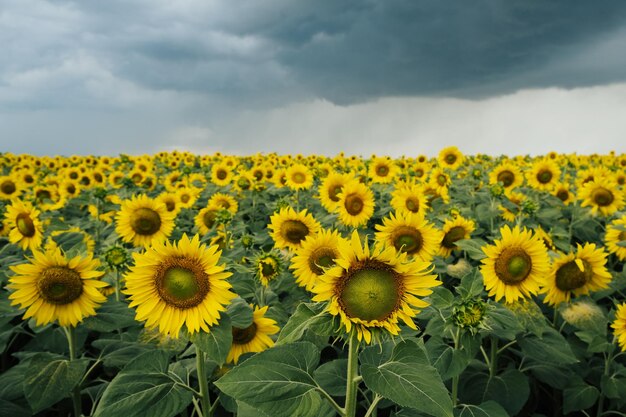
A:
365, 76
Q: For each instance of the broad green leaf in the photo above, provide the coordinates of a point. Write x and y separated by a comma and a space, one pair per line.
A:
278, 381
305, 318
579, 397
152, 361
9, 408
117, 353
47, 382
406, 380
139, 394
502, 321
217, 342
471, 284
111, 316
510, 389
473, 247
552, 347
240, 313
332, 377
486, 409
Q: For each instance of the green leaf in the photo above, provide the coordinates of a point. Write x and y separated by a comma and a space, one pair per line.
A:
111, 316
471, 285
9, 408
240, 313
579, 397
502, 321
510, 389
552, 347
473, 247
486, 409
305, 318
156, 361
47, 382
217, 342
448, 361
332, 377
139, 394
277, 381
406, 380
613, 387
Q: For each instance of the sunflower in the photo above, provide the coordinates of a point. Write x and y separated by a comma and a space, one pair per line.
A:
409, 197
453, 230
172, 204
289, 228
143, 221
616, 233
186, 196
543, 174
331, 188
254, 338
508, 174
562, 192
317, 253
604, 197
450, 157
52, 287
298, 177
178, 284
372, 290
206, 219
244, 181
576, 274
619, 326
515, 265
356, 204
22, 219
268, 266
409, 233
382, 170
224, 201
10, 187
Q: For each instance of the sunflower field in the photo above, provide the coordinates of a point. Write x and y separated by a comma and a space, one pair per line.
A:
275, 286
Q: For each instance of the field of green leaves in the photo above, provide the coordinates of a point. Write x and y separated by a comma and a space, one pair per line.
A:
212, 285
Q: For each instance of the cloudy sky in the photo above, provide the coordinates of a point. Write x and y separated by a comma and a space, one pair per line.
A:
365, 76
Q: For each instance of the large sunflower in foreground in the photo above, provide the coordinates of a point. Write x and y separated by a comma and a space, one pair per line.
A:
616, 233
143, 221
356, 204
24, 226
516, 265
602, 196
577, 274
409, 233
619, 326
52, 287
178, 284
254, 338
317, 253
289, 228
372, 290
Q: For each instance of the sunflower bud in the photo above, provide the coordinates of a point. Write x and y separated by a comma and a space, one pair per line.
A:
582, 314
116, 257
459, 269
530, 207
496, 190
469, 314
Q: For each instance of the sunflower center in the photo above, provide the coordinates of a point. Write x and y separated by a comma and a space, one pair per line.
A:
298, 178
412, 204
8, 187
544, 176
170, 205
43, 195
407, 239
513, 266
442, 180
622, 236
353, 204
370, 291
182, 282
25, 225
506, 178
243, 336
602, 197
570, 276
59, 285
209, 218
451, 158
145, 221
185, 198
382, 170
454, 234
221, 174
243, 183
268, 268
562, 195
320, 259
333, 192
294, 231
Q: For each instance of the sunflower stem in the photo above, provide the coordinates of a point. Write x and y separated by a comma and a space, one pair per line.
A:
205, 401
493, 361
455, 379
352, 374
71, 342
372, 410
117, 284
